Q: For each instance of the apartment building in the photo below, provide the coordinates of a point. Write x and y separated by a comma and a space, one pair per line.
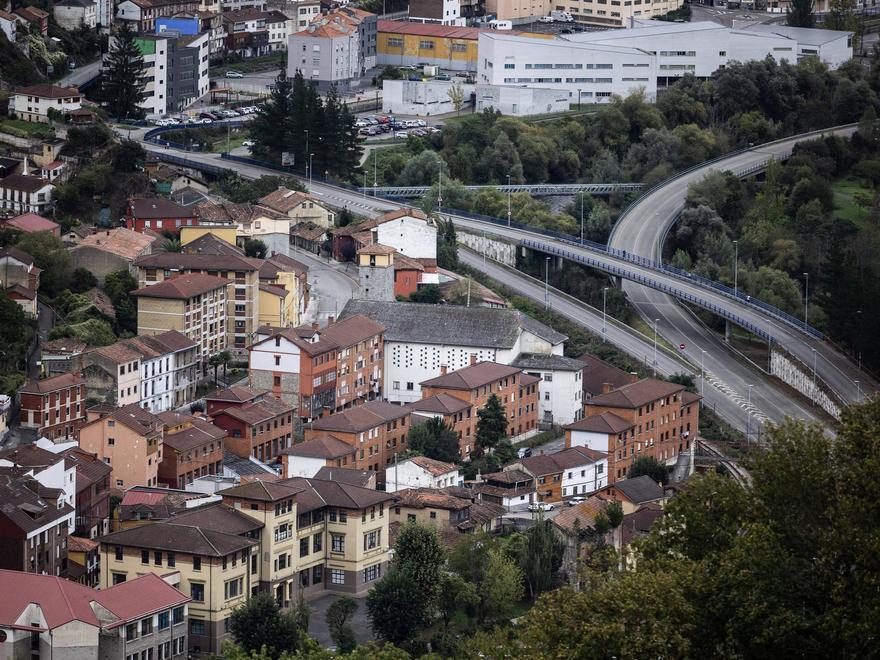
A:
422, 472
35, 521
55, 407
560, 390
194, 305
290, 276
409, 231
421, 339
305, 459
192, 447
243, 289
237, 395
49, 617
377, 430
143, 13
567, 472
49, 468
112, 373
261, 429
300, 207
129, 440
34, 102
92, 493
517, 391
662, 417
215, 567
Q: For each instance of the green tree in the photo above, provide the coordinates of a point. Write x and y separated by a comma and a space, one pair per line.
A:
540, 557
254, 247
52, 257
801, 13
434, 439
456, 96
491, 425
344, 218
419, 554
648, 465
82, 280
123, 78
503, 584
338, 618
270, 127
302, 613
395, 607
428, 294
118, 285
258, 623
128, 156
171, 245
221, 359
447, 245
455, 595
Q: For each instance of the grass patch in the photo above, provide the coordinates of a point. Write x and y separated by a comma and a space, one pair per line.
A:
846, 206
22, 128
541, 438
250, 65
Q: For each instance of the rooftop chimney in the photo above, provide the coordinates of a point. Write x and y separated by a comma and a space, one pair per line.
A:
331, 320
606, 388
316, 326
473, 358
443, 369
633, 377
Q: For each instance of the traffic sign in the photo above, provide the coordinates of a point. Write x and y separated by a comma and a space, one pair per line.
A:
681, 347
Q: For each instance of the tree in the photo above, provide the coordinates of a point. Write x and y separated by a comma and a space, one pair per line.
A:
128, 156
338, 616
540, 557
345, 218
254, 247
82, 280
51, 256
455, 595
171, 245
434, 439
503, 584
270, 127
801, 13
302, 613
118, 285
447, 245
456, 95
395, 607
223, 358
419, 554
428, 294
648, 465
491, 425
123, 79
258, 623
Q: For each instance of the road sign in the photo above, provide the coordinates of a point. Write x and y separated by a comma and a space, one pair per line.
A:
681, 347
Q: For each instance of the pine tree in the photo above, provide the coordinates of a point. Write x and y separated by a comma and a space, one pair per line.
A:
123, 79
331, 132
491, 425
350, 144
314, 111
297, 122
270, 126
800, 13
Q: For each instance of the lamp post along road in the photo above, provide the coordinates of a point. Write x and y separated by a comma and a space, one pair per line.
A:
656, 321
508, 200
735, 268
547, 283
604, 325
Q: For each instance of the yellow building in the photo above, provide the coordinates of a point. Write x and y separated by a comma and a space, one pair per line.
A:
283, 291
401, 43
299, 207
280, 537
225, 232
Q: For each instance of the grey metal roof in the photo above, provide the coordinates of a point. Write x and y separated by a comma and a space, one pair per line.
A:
244, 466
640, 490
482, 327
804, 36
547, 362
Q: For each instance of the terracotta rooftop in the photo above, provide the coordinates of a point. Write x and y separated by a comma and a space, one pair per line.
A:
443, 403
360, 418
351, 331
236, 394
433, 466
47, 91
31, 222
281, 263
377, 249
59, 382
599, 372
324, 446
634, 395
284, 200
80, 544
120, 241
200, 432
158, 207
584, 513
472, 377
182, 287
421, 498
605, 422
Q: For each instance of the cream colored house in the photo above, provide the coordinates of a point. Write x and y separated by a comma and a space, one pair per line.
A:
299, 207
280, 274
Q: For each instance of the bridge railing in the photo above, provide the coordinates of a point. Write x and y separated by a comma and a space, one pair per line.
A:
645, 262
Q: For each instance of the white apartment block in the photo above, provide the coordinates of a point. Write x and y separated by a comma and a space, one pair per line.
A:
421, 472
33, 103
586, 475
560, 392
593, 66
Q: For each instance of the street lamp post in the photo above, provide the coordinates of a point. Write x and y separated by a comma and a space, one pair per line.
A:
735, 267
702, 372
508, 200
604, 326
815, 356
582, 218
749, 418
806, 298
310, 172
547, 283
656, 321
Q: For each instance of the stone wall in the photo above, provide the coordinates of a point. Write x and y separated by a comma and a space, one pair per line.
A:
797, 376
492, 247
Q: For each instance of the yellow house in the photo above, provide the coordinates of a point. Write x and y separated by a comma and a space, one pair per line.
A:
283, 291
224, 232
299, 207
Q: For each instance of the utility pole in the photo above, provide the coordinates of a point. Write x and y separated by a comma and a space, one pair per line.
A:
749, 418
655, 346
508, 200
702, 372
604, 299
806, 298
735, 268
547, 283
582, 197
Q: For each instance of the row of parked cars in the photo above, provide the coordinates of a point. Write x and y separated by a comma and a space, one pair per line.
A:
402, 128
207, 117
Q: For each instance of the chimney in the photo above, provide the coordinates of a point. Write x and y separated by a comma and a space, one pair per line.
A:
606, 388
443, 369
473, 358
331, 320
633, 377
316, 326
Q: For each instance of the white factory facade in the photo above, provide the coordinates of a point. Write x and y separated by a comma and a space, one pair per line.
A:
590, 67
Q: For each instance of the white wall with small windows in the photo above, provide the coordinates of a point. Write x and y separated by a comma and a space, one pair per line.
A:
586, 478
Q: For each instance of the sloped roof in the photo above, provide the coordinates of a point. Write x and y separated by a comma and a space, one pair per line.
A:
599, 372
211, 244
80, 544
199, 433
182, 287
219, 517
284, 200
24, 183
547, 362
236, 394
343, 495
377, 249
46, 91
352, 477
636, 394
472, 377
420, 498
605, 422
452, 325
25, 508
136, 418
442, 403
640, 489
433, 466
263, 491
59, 382
324, 446
584, 513
125, 243
31, 456
158, 207
178, 537
30, 222
200, 262
352, 330
360, 418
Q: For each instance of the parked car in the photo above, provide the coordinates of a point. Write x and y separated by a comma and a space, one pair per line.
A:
239, 111
234, 74
248, 143
205, 120
540, 506
546, 19
524, 452
415, 78
577, 499
401, 134
442, 76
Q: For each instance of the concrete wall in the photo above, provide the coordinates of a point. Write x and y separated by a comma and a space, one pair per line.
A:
496, 250
409, 97
522, 101
100, 262
376, 283
800, 378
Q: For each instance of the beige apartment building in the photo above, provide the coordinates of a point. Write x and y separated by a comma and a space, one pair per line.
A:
280, 537
195, 305
609, 13
242, 294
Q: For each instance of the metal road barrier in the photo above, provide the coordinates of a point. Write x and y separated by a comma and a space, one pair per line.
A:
536, 190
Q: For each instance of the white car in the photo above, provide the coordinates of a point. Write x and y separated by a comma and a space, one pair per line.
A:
546, 19
205, 120
234, 74
248, 143
540, 506
577, 499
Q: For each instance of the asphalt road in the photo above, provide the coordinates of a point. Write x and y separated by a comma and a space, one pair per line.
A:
641, 232
331, 286
81, 75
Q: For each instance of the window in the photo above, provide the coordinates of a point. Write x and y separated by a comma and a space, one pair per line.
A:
303, 547
317, 542
145, 556
337, 543
131, 632
146, 627
118, 578
177, 615
433, 514
197, 591
337, 576
372, 539
304, 577
118, 553
197, 563
171, 559
372, 572
164, 620
317, 574
343, 516
196, 627
409, 387
233, 588
426, 44
157, 558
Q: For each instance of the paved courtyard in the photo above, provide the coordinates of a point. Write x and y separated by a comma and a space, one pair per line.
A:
318, 625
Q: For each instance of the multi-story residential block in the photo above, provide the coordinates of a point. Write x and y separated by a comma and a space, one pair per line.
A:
76, 14
34, 524
21, 279
437, 12
306, 459
234, 396
451, 511
214, 565
261, 430
572, 471
336, 48
192, 448
33, 16
83, 561
24, 193
92, 493
517, 391
48, 617
513, 490
560, 389
112, 373
158, 214
290, 279
129, 440
143, 13
409, 231
253, 32
422, 472
661, 416
243, 289
420, 339
298, 206
377, 430
599, 373
193, 305
34, 102
50, 469
55, 407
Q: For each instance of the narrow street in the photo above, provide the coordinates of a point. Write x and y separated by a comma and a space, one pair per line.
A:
331, 286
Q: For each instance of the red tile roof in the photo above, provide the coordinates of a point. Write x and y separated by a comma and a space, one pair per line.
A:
471, 377
606, 422
324, 446
636, 394
59, 382
31, 222
182, 287
47, 91
157, 207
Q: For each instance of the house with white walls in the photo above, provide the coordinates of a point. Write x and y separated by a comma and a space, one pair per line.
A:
421, 472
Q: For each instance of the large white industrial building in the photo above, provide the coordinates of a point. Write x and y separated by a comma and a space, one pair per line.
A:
592, 66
